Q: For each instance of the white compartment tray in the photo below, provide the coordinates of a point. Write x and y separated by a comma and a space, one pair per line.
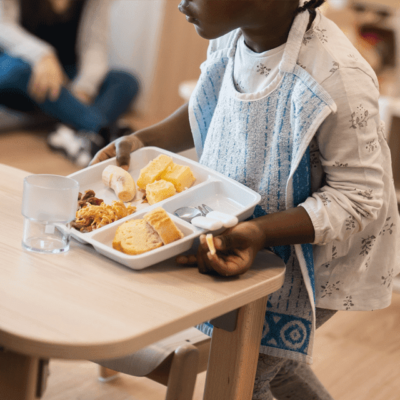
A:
212, 188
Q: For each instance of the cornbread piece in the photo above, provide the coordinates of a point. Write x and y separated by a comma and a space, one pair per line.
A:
153, 170
119, 235
181, 176
136, 237
159, 190
163, 225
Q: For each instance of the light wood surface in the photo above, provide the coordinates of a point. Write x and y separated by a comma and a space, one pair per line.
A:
231, 374
19, 376
183, 373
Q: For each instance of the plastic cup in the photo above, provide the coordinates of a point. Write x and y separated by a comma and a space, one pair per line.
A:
49, 204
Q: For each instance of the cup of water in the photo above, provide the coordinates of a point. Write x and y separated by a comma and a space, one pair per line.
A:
49, 204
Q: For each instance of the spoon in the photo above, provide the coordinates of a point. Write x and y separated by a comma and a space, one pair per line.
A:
187, 213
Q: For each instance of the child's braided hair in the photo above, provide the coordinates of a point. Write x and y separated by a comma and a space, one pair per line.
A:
310, 5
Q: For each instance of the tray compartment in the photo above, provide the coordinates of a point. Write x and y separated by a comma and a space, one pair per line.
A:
90, 178
220, 196
102, 239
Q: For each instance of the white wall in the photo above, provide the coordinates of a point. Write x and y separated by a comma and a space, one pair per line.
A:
135, 30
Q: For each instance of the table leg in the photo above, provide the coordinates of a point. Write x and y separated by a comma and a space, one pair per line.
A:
233, 356
21, 377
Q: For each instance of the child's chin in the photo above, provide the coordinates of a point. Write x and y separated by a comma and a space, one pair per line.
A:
206, 34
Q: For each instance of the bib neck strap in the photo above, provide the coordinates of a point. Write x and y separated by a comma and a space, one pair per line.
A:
293, 44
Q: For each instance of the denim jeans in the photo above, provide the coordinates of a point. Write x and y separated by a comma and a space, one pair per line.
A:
116, 93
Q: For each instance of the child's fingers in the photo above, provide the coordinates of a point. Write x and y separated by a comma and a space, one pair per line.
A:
203, 243
227, 267
208, 262
219, 265
226, 242
202, 259
123, 150
187, 260
104, 154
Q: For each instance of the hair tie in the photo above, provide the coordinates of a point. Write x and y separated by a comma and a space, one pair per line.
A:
310, 5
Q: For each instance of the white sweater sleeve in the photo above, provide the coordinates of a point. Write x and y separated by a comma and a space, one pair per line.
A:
93, 46
351, 158
15, 40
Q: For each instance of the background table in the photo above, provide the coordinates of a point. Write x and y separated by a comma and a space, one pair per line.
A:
81, 305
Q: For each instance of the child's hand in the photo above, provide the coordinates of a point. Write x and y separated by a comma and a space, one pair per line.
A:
121, 148
47, 79
236, 250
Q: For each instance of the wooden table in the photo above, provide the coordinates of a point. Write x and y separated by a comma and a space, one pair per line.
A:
81, 305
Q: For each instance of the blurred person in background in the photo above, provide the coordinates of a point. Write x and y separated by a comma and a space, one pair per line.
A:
54, 56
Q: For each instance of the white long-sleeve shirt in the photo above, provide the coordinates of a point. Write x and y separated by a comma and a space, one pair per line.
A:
92, 44
353, 206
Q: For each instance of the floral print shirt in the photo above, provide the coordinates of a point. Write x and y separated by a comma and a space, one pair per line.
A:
254, 72
353, 204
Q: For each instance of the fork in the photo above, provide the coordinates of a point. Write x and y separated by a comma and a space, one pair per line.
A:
204, 209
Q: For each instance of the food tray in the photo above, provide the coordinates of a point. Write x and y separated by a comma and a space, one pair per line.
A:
212, 188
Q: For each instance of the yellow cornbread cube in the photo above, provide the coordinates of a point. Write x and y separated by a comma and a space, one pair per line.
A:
153, 170
159, 190
181, 176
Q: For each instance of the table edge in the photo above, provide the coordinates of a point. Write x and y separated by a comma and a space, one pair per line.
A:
120, 348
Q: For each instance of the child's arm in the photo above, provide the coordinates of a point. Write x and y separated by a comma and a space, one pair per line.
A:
238, 246
173, 133
355, 159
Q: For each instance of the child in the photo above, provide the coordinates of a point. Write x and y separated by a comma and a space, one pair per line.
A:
46, 43
288, 107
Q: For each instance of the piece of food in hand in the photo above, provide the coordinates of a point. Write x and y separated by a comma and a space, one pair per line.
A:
181, 176
210, 243
159, 190
136, 237
163, 225
120, 181
153, 170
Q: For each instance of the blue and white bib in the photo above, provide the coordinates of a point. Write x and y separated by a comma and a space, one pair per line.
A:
263, 144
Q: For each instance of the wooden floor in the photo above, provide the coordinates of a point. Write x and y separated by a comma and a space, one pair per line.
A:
27, 149
357, 354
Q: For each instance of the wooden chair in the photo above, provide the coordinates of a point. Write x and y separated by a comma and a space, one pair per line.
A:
173, 362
